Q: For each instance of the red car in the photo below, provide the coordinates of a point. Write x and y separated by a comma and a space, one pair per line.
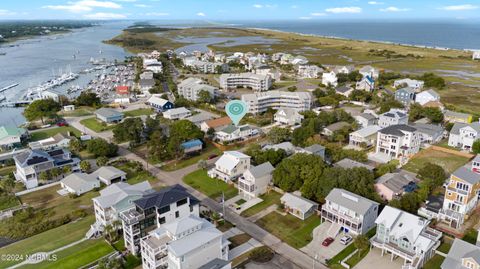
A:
327, 241
62, 123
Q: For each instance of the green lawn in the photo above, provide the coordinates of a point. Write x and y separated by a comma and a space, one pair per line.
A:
78, 112
7, 201
77, 256
138, 112
211, 187
269, 199
209, 150
42, 134
434, 263
334, 262
4, 171
470, 236
448, 161
356, 258
290, 229
95, 125
49, 240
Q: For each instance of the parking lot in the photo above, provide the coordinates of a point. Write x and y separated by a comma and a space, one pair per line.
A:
315, 247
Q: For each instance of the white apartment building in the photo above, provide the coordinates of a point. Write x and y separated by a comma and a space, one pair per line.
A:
230, 166
348, 212
188, 242
398, 142
153, 211
288, 116
309, 71
205, 67
191, 87
330, 79
176, 113
256, 82
255, 181
411, 83
259, 102
406, 236
393, 117
463, 135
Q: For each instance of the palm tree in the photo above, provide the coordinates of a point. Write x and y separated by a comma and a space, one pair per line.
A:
108, 233
85, 166
67, 169
361, 243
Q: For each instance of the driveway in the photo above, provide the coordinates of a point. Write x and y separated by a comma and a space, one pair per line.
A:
374, 259
315, 247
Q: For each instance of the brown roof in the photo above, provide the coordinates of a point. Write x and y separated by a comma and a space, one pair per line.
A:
433, 104
218, 122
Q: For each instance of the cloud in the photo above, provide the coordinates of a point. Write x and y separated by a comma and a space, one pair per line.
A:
126, 1
85, 5
264, 6
258, 6
305, 18
294, 6
375, 3
201, 14
4, 12
318, 14
104, 16
157, 14
141, 5
337, 10
394, 9
459, 7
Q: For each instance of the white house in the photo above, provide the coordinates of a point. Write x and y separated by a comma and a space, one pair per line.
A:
343, 69
255, 180
329, 78
406, 236
79, 183
411, 83
235, 133
366, 84
109, 174
364, 137
261, 101
369, 71
463, 135
230, 166
256, 82
427, 96
298, 206
57, 141
366, 119
176, 113
288, 116
158, 103
393, 117
11, 136
398, 142
190, 88
309, 71
348, 212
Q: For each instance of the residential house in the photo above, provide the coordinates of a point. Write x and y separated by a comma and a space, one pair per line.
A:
216, 124
256, 82
145, 84
122, 90
200, 118
108, 115
330, 79
30, 163
261, 101
366, 119
347, 69
176, 113
314, 149
394, 185
114, 199
309, 71
432, 207
11, 137
268, 71
406, 96
288, 116
153, 211
347, 163
190, 89
348, 212
255, 180
398, 142
230, 166
57, 141
364, 137
50, 94
429, 133
298, 206
369, 71
233, 133
427, 96
344, 90
393, 117
153, 65
461, 196
406, 236
194, 145
462, 255
187, 242
452, 116
463, 135
288, 147
366, 84
109, 174
79, 183
417, 85
334, 127
159, 104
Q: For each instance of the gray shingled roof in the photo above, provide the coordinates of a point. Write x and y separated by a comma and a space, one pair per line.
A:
107, 112
459, 125
349, 164
467, 175
261, 170
352, 201
459, 250
214, 264
397, 129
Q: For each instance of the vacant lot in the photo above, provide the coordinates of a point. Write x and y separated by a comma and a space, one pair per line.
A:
269, 199
42, 134
208, 151
449, 162
211, 187
95, 125
138, 112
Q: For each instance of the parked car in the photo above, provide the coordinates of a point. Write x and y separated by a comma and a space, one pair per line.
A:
346, 239
327, 241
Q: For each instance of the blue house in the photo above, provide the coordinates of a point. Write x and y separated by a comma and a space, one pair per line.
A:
193, 145
159, 104
406, 96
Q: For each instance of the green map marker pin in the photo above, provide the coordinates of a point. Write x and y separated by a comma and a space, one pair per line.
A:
236, 110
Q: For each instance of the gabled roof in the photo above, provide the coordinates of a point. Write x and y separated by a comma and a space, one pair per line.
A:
178, 110
460, 125
288, 147
116, 192
218, 122
289, 112
108, 112
431, 93
230, 159
394, 113
261, 170
31, 157
460, 250
467, 175
191, 143
350, 200
366, 116
349, 164
397, 130
395, 181
297, 202
367, 131
183, 225
76, 181
343, 89
315, 148
108, 172
408, 90
165, 197
449, 113
337, 126
193, 241
157, 100
6, 131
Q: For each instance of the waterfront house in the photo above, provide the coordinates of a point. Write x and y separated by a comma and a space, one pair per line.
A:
393, 117
348, 212
176, 113
11, 137
398, 142
366, 119
452, 116
255, 180
191, 146
230, 166
364, 137
462, 255
463, 135
159, 104
79, 183
298, 206
108, 115
288, 116
406, 96
215, 124
394, 185
427, 96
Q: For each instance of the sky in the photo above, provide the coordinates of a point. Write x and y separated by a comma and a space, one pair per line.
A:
224, 10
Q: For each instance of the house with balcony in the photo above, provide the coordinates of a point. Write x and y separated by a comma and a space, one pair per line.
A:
406, 236
348, 212
463, 135
153, 211
461, 196
407, 82
398, 142
230, 166
393, 117
366, 119
188, 242
462, 255
255, 181
288, 116
364, 137
234, 133
406, 96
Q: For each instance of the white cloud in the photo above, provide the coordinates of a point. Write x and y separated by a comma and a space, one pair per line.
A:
258, 6
85, 5
294, 6
375, 3
127, 1
4, 12
141, 5
338, 10
305, 18
394, 9
459, 7
318, 14
201, 14
104, 16
157, 14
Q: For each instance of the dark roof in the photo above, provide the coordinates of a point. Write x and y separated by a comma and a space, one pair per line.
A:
343, 89
397, 129
435, 203
165, 197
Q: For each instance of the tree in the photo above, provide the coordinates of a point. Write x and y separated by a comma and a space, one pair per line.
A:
100, 147
202, 164
278, 135
67, 169
44, 176
210, 132
87, 98
85, 166
7, 184
75, 145
131, 129
41, 109
362, 243
55, 172
102, 161
205, 97
157, 146
292, 172
476, 147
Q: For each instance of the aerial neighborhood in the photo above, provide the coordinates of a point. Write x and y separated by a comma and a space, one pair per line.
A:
332, 166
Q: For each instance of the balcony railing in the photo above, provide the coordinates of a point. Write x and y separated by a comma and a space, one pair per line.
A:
352, 220
131, 216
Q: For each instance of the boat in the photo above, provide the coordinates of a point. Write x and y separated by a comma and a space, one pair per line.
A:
8, 87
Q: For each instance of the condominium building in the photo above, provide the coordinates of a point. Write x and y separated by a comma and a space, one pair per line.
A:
190, 88
256, 82
398, 142
261, 101
205, 67
153, 211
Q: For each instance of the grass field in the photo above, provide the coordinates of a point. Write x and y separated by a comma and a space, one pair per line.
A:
211, 187
239, 239
8, 201
269, 199
77, 256
434, 263
138, 112
290, 229
49, 240
78, 112
448, 161
209, 150
42, 134
4, 171
95, 125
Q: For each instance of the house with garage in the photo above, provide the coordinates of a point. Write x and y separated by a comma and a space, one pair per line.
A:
348, 212
255, 180
108, 115
109, 174
79, 183
298, 206
230, 166
159, 104
463, 135
288, 116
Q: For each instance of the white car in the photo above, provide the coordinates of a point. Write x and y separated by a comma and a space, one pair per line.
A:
346, 239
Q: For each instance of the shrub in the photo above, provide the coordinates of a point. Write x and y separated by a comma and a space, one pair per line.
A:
261, 254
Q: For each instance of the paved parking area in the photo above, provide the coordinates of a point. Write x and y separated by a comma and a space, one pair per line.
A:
374, 259
247, 204
315, 247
